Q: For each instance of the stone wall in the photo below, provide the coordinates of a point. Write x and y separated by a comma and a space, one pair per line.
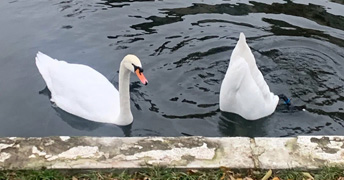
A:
181, 152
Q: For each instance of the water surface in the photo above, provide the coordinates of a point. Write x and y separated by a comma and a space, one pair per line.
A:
185, 48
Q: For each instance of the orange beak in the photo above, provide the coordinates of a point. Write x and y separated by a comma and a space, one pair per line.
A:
141, 77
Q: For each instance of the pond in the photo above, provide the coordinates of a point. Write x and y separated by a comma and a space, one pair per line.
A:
185, 47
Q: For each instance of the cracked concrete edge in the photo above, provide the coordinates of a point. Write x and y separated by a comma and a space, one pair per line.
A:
64, 152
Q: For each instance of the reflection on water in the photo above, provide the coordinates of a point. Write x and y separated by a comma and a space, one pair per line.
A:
76, 122
185, 48
234, 125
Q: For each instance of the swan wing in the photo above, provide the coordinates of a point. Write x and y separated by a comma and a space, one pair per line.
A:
239, 93
79, 89
243, 50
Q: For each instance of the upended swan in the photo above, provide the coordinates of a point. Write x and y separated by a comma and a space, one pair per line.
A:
84, 92
243, 89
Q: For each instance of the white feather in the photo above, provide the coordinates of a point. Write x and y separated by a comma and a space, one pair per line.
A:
244, 90
84, 92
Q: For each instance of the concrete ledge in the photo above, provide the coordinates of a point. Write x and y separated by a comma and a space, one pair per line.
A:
308, 152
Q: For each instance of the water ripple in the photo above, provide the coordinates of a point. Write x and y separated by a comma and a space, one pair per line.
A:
185, 49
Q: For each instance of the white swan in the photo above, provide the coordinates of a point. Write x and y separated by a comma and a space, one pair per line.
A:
244, 90
84, 92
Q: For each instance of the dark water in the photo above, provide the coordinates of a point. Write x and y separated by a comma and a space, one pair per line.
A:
185, 48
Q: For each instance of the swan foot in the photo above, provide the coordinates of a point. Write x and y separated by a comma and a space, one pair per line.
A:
53, 104
285, 99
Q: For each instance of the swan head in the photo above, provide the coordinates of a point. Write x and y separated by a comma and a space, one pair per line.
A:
133, 64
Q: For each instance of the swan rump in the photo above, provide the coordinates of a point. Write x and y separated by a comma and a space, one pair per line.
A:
244, 90
84, 92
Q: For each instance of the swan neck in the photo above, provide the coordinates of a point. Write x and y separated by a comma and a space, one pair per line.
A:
124, 95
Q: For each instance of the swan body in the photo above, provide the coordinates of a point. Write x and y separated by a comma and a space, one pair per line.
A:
243, 89
84, 92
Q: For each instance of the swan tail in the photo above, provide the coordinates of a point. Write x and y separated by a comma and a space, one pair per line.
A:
242, 38
43, 63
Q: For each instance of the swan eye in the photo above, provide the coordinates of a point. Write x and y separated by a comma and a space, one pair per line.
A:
139, 68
